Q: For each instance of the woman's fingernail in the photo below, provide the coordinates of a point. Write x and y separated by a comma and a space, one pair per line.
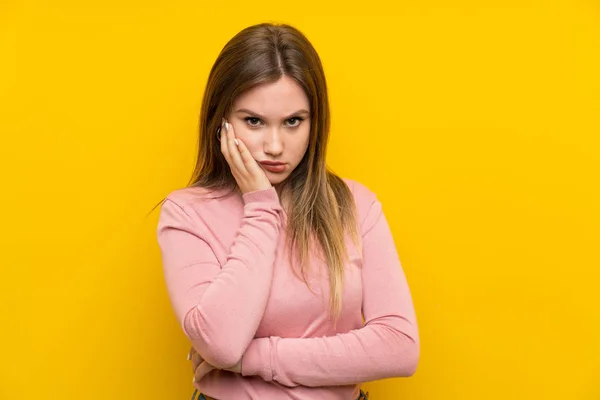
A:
226, 126
236, 142
194, 380
189, 357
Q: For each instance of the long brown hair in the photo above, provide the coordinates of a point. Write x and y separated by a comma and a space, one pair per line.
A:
322, 209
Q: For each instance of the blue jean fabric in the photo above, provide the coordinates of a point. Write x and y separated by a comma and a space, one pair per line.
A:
361, 396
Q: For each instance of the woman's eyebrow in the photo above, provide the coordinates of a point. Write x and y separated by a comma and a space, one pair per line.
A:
245, 110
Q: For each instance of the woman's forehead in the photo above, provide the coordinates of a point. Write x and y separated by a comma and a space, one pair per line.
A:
282, 97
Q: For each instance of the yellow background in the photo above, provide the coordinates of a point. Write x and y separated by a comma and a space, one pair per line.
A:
476, 123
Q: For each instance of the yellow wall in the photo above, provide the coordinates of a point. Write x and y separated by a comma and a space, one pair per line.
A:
476, 125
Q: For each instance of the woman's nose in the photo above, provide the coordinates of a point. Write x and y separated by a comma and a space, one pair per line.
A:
273, 142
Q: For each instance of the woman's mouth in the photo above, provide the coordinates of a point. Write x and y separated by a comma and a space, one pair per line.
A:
273, 166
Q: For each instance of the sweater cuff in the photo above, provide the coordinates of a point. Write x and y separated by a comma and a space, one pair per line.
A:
257, 359
265, 195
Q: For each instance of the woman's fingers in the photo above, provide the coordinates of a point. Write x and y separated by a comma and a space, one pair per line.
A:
224, 147
196, 361
245, 155
203, 369
244, 168
249, 162
230, 151
234, 152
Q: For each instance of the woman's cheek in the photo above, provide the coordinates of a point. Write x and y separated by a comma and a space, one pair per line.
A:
248, 140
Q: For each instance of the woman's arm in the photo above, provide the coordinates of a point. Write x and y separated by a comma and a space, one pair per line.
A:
387, 346
220, 307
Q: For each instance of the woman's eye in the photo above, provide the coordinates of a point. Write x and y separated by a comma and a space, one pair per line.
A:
295, 121
252, 121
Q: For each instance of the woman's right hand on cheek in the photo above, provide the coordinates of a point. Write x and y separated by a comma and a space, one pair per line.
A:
249, 176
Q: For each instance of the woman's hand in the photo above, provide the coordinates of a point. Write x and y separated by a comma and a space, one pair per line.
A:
201, 367
248, 174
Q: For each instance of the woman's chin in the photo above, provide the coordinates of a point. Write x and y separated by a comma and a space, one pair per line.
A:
275, 182
276, 179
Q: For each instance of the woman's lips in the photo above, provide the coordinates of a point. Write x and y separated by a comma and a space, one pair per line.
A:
273, 167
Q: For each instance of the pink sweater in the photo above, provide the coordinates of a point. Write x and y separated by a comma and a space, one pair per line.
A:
236, 297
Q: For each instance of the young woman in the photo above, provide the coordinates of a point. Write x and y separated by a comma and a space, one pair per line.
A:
284, 277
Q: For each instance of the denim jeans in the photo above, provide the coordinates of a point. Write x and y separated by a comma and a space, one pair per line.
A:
361, 396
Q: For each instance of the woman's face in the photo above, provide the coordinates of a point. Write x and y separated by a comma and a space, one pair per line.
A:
273, 120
